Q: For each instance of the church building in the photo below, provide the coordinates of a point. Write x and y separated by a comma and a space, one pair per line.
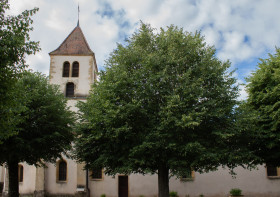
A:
73, 67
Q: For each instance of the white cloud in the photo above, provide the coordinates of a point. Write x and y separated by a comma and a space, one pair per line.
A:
18, 6
243, 94
212, 37
241, 30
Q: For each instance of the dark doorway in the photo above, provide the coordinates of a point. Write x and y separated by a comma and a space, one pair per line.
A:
123, 186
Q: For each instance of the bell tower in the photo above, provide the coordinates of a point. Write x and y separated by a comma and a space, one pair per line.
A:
73, 67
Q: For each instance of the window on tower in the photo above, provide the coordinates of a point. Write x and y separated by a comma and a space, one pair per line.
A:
75, 70
70, 89
66, 69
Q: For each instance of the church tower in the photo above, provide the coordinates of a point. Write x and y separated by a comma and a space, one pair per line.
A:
73, 67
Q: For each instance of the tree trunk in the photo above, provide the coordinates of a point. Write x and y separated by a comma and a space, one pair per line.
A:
163, 181
13, 179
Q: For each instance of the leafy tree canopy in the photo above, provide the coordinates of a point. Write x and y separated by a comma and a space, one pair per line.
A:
264, 106
163, 104
15, 44
45, 130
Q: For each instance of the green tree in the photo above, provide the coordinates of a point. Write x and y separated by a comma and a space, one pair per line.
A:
15, 44
163, 105
263, 104
45, 131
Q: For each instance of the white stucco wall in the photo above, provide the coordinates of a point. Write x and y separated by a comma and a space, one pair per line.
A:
214, 184
53, 186
143, 185
219, 183
2, 171
72, 104
29, 177
108, 186
86, 73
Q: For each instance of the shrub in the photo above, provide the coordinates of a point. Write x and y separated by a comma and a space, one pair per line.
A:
235, 192
173, 194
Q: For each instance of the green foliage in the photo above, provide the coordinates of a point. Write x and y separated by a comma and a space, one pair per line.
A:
235, 192
103, 195
264, 105
14, 46
164, 101
173, 194
243, 140
201, 195
45, 130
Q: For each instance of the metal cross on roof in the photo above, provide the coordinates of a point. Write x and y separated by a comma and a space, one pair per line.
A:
78, 24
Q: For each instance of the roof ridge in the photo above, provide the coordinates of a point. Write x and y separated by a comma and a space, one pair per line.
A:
63, 41
84, 38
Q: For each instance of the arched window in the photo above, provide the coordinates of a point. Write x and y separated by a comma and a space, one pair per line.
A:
62, 170
20, 173
66, 69
70, 89
75, 69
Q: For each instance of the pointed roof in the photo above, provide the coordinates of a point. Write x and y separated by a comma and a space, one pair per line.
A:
74, 44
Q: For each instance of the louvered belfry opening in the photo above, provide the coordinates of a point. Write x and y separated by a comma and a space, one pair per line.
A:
66, 69
75, 70
70, 89
62, 173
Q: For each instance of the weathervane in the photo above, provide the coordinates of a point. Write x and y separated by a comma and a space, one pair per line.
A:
78, 24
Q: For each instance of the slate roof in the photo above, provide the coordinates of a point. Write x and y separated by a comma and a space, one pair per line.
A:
74, 44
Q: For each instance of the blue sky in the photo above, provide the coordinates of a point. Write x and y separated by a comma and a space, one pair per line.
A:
241, 30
